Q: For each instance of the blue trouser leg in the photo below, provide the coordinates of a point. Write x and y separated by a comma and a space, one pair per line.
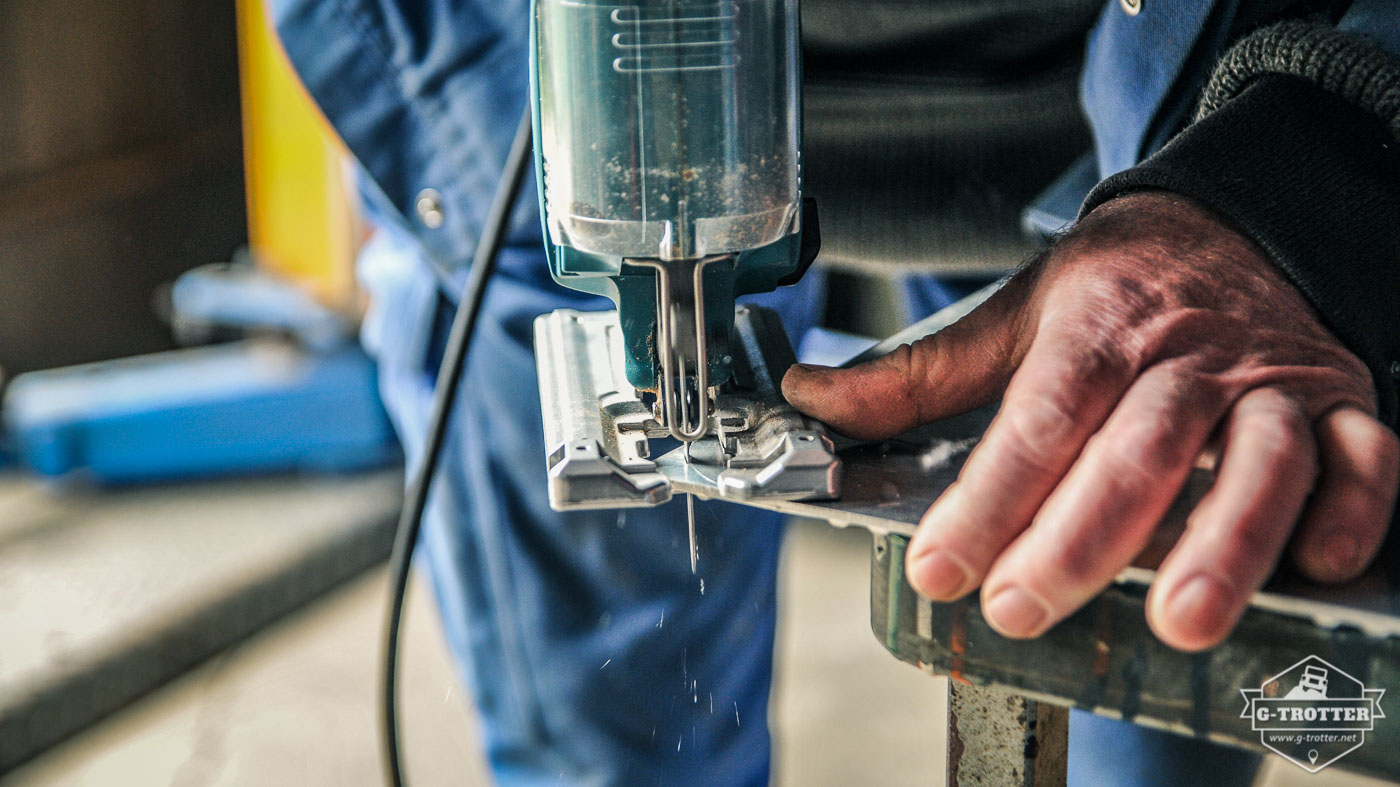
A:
1109, 753
584, 638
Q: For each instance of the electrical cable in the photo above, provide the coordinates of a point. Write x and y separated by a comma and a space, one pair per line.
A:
445, 394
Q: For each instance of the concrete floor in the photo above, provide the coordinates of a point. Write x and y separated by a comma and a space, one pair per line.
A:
296, 704
109, 593
293, 705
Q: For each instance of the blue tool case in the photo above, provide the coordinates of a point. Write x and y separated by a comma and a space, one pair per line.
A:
255, 406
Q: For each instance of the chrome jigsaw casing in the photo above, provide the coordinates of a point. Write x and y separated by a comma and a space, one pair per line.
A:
599, 430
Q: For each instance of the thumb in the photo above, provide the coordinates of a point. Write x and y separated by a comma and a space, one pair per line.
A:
961, 367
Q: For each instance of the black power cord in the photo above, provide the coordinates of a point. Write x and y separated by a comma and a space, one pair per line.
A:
448, 381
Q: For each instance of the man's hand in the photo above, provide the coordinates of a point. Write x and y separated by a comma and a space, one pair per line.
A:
1150, 335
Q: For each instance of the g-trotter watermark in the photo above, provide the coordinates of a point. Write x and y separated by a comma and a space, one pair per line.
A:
1312, 713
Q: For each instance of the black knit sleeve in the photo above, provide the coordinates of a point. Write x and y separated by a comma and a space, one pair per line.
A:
1307, 163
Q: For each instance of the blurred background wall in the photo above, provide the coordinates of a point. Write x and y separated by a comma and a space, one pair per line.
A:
120, 167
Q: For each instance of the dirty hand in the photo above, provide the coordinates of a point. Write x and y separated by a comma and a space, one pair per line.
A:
1150, 335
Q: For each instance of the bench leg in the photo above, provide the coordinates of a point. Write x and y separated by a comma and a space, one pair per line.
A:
995, 737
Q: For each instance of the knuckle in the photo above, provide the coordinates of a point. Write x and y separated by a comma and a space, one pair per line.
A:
902, 358
1079, 562
899, 373
1158, 434
1139, 461
1279, 433
1369, 468
1374, 497
1269, 402
1250, 538
1099, 360
1191, 391
1036, 432
919, 362
1387, 459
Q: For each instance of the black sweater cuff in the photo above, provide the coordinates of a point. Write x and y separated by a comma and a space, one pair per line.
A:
1315, 181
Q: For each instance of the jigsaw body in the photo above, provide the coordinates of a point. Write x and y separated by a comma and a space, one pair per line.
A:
668, 138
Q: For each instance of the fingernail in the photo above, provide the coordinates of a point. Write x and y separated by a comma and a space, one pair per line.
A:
1202, 604
937, 575
1015, 612
1342, 551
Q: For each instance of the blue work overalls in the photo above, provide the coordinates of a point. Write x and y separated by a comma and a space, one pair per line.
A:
589, 651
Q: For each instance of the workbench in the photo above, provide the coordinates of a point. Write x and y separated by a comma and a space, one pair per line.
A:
1009, 698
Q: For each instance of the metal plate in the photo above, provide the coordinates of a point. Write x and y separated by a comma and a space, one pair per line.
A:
598, 429
888, 487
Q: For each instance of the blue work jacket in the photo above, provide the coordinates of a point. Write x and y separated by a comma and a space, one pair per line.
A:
1142, 73
427, 94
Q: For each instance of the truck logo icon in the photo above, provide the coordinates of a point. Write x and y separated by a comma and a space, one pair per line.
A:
1312, 713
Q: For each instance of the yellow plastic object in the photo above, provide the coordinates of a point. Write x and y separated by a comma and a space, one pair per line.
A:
302, 222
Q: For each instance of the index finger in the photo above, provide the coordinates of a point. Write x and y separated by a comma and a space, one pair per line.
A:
1060, 396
